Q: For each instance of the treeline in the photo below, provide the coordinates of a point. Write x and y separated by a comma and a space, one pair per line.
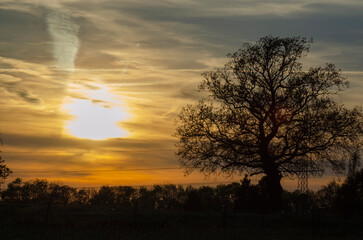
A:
235, 197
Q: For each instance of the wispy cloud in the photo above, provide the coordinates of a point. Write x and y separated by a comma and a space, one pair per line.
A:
22, 93
64, 35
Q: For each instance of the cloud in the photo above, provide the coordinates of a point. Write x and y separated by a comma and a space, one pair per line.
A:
9, 83
64, 35
24, 36
8, 79
31, 82
23, 94
27, 67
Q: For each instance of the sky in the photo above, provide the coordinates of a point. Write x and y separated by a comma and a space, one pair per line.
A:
90, 90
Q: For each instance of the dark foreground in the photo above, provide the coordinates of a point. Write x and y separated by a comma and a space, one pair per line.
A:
32, 222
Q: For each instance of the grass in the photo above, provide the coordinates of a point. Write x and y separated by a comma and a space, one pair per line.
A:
20, 221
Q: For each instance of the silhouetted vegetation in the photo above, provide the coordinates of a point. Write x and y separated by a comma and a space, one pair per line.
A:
4, 170
245, 197
265, 114
54, 211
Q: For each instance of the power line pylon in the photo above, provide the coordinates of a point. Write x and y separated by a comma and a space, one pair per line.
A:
307, 168
303, 178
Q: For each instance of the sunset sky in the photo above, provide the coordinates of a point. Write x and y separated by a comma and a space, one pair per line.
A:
90, 89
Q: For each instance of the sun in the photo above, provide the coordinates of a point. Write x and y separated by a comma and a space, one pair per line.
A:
96, 117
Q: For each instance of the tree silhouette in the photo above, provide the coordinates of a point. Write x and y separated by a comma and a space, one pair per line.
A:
265, 114
193, 201
4, 170
247, 197
14, 191
349, 197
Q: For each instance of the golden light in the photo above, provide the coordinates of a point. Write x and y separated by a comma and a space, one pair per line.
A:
96, 117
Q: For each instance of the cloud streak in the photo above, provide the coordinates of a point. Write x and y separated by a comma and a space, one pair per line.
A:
64, 33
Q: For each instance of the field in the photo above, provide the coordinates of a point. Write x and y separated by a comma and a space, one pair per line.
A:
20, 221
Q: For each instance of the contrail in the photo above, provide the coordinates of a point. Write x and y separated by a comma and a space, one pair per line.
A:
65, 40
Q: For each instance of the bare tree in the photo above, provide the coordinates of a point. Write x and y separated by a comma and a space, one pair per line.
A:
265, 114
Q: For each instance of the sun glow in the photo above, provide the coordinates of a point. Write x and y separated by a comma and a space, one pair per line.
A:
97, 116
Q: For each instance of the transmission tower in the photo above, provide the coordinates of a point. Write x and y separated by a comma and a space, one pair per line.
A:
307, 168
303, 178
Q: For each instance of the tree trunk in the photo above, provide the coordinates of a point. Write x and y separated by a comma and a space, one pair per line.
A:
274, 190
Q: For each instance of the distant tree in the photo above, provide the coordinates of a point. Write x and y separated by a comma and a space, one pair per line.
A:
326, 196
124, 195
354, 162
193, 201
168, 196
349, 197
4, 170
146, 199
209, 198
82, 197
13, 193
266, 115
61, 194
247, 197
297, 201
225, 195
105, 196
38, 191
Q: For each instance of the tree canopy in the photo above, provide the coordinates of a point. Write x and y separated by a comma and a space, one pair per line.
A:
266, 114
